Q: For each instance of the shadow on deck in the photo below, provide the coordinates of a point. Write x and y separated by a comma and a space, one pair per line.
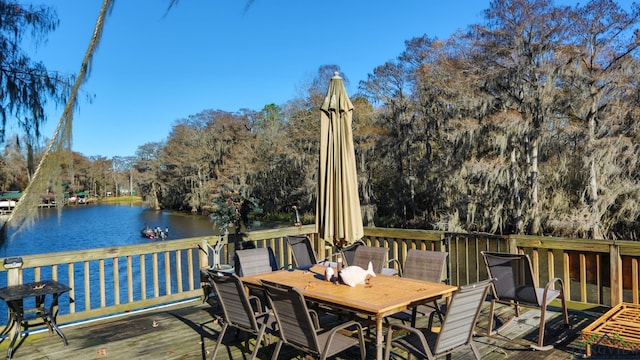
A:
189, 331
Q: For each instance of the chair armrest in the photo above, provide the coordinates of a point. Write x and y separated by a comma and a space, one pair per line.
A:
256, 303
548, 286
409, 329
399, 266
344, 326
316, 319
552, 282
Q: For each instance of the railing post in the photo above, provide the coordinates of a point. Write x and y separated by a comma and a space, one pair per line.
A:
512, 245
204, 254
445, 241
615, 272
13, 276
14, 270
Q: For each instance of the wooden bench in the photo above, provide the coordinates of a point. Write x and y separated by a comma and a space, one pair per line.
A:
618, 328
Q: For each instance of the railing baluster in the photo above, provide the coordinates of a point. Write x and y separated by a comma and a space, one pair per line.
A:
129, 279
103, 295
143, 278
116, 280
72, 284
190, 265
156, 285
179, 271
567, 274
167, 273
634, 280
583, 278
599, 286
551, 266
87, 287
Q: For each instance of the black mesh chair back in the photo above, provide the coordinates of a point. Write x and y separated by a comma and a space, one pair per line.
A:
298, 329
424, 265
237, 309
457, 328
460, 319
349, 252
376, 255
304, 256
514, 276
255, 261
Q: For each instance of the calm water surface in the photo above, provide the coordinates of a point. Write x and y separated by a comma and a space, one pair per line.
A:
97, 226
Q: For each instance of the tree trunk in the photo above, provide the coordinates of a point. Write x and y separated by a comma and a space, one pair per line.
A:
593, 176
154, 197
517, 202
535, 214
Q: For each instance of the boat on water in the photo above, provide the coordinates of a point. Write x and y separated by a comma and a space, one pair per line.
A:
156, 233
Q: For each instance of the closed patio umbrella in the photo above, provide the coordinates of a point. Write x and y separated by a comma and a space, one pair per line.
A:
338, 216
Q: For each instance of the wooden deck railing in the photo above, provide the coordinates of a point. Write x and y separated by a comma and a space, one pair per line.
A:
115, 280
119, 279
597, 272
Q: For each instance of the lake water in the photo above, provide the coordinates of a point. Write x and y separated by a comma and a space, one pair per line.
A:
97, 226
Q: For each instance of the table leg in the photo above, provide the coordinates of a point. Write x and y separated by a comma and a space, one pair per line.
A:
50, 318
379, 338
15, 315
7, 327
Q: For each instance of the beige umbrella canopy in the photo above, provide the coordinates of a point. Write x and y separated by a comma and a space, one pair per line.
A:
338, 216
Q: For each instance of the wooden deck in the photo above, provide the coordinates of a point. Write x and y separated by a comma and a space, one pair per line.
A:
188, 331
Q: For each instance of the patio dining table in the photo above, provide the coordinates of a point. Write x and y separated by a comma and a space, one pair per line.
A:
380, 297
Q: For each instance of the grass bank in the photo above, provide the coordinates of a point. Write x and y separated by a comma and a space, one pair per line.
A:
120, 199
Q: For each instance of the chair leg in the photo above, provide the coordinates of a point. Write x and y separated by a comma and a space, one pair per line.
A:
387, 348
258, 342
276, 351
490, 331
475, 350
540, 346
564, 309
543, 309
490, 323
414, 315
363, 348
220, 337
438, 312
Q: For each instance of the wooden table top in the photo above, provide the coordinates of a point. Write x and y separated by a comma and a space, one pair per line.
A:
383, 295
40, 288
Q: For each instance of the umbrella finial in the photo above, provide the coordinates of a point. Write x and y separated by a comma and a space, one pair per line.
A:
336, 75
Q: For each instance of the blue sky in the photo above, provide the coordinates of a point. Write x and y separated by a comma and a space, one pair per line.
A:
151, 70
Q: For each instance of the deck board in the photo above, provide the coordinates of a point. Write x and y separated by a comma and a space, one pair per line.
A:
189, 331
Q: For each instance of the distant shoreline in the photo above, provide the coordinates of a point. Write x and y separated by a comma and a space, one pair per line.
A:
119, 199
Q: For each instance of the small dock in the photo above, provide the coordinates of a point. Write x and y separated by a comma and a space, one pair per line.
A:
189, 331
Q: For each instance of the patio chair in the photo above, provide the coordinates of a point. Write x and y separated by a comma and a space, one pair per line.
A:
255, 261
349, 252
422, 265
239, 311
515, 286
378, 256
457, 328
304, 257
298, 329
